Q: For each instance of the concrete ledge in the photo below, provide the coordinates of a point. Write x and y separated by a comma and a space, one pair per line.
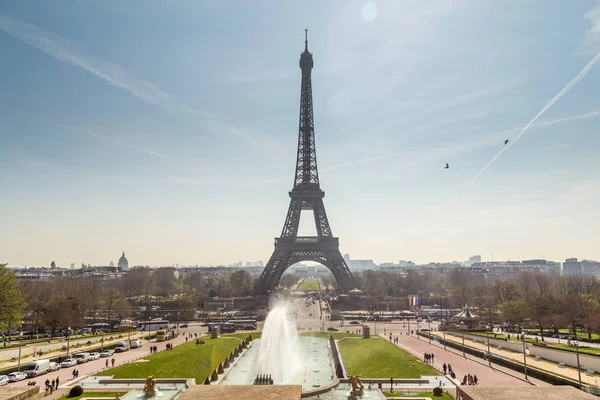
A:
18, 392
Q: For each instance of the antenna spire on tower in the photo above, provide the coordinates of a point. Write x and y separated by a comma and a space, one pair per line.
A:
306, 39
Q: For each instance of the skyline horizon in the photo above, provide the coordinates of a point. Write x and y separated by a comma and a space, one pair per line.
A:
191, 265
175, 131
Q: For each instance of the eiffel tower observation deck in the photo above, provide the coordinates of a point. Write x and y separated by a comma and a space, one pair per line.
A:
305, 195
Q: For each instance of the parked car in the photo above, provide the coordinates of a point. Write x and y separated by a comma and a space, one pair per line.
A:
54, 366
94, 356
120, 349
106, 353
16, 376
36, 368
82, 357
354, 323
4, 380
70, 362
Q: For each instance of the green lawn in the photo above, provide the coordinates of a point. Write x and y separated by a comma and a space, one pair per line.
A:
377, 358
243, 335
326, 335
444, 396
93, 394
309, 285
188, 360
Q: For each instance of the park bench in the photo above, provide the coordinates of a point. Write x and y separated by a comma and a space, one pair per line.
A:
561, 364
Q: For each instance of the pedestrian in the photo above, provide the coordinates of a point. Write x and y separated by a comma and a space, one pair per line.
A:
112, 362
391, 385
475, 380
444, 367
379, 385
432, 358
57, 382
107, 363
52, 384
47, 383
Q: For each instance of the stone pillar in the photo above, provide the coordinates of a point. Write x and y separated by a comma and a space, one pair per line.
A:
366, 332
215, 332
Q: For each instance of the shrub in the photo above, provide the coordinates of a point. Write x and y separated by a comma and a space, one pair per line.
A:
76, 391
437, 391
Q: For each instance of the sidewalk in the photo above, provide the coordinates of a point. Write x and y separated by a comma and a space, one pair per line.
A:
487, 376
548, 366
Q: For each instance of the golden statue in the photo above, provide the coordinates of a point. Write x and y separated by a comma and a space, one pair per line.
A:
149, 387
356, 383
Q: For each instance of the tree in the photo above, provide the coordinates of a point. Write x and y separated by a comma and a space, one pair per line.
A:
241, 282
122, 308
513, 311
37, 295
164, 278
64, 312
109, 299
12, 301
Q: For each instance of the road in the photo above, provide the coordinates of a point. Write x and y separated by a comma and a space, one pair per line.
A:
92, 367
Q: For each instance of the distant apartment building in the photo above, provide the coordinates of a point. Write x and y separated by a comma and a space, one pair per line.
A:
406, 264
474, 259
356, 265
590, 267
572, 267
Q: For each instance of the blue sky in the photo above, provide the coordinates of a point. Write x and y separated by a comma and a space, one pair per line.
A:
169, 129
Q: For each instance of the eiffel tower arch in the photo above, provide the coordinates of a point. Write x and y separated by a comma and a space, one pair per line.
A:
305, 195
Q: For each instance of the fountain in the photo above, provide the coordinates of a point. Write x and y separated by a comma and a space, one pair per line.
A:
150, 387
279, 355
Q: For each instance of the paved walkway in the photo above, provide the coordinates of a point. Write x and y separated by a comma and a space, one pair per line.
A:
486, 375
532, 361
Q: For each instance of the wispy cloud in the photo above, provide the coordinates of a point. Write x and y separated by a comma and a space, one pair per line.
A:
592, 37
87, 133
74, 54
464, 146
564, 90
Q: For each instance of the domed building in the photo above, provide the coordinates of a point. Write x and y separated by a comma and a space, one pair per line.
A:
123, 263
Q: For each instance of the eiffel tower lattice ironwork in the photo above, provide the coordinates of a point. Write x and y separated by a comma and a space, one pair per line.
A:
306, 195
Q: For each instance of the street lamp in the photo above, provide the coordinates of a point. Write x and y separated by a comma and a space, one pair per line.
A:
578, 366
462, 329
20, 344
429, 331
524, 359
489, 354
68, 341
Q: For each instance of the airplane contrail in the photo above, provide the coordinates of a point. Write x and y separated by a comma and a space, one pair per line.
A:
86, 132
70, 52
564, 90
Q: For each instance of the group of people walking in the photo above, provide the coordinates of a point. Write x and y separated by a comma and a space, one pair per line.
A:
429, 358
470, 380
51, 386
448, 370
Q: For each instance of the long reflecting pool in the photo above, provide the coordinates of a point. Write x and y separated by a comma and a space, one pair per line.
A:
317, 367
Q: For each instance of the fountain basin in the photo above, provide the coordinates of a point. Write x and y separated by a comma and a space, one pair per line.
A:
316, 368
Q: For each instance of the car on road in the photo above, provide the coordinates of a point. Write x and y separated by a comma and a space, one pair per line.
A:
4, 380
94, 356
183, 325
17, 376
387, 320
120, 349
332, 329
354, 323
106, 353
70, 362
54, 366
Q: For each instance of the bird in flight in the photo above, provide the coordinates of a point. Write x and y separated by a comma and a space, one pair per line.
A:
506, 142
447, 166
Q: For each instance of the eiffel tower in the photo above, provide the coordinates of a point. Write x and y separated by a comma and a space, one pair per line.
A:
306, 195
